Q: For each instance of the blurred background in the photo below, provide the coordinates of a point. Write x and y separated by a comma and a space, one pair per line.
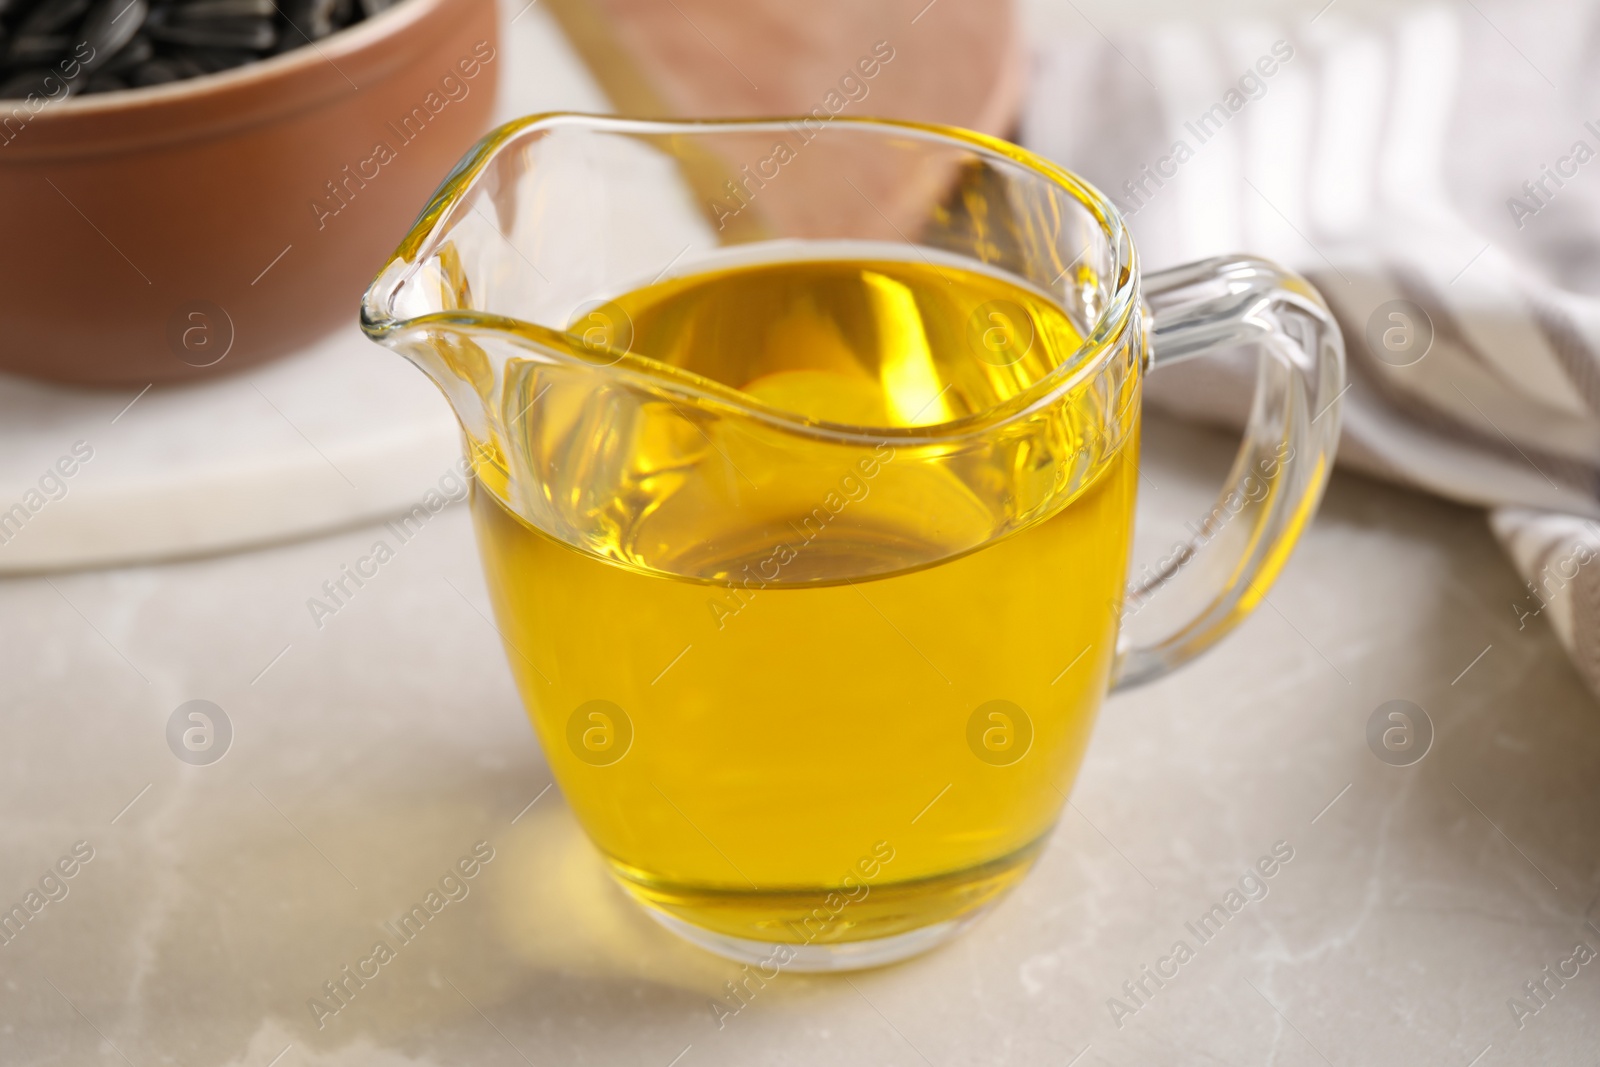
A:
195, 437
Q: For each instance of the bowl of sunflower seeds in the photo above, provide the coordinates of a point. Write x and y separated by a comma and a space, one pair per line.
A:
196, 186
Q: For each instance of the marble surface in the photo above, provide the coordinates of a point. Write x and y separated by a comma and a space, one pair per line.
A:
370, 754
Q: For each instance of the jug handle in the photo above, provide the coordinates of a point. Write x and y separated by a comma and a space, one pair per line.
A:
1283, 463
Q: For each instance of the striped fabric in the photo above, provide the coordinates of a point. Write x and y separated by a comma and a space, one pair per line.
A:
1436, 172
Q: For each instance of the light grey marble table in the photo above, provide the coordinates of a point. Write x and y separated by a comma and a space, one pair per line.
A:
369, 755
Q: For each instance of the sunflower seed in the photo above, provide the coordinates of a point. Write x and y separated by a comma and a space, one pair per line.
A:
201, 10
155, 72
219, 33
130, 55
36, 48
39, 81
211, 60
52, 15
313, 18
102, 82
187, 67
109, 28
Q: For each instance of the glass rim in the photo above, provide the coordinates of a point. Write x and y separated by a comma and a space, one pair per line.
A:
1100, 342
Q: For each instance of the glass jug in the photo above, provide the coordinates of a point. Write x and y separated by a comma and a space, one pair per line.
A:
805, 460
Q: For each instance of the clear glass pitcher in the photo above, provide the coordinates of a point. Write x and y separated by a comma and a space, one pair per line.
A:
805, 463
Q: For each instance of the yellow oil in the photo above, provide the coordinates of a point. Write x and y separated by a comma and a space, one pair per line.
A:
820, 757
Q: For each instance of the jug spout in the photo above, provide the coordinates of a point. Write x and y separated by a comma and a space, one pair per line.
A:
530, 237
407, 310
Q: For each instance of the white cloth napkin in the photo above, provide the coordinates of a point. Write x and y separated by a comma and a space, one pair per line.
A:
1443, 156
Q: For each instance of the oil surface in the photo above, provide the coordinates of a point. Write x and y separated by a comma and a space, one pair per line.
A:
811, 757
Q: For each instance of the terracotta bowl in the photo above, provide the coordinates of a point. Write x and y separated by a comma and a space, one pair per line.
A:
199, 227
